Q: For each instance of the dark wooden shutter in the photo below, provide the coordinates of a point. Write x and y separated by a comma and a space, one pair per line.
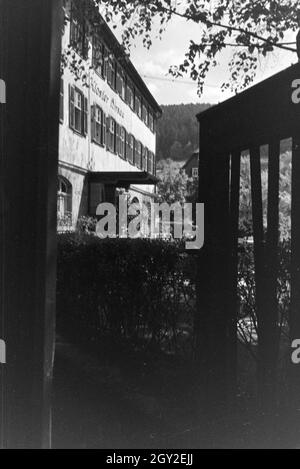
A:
93, 124
104, 140
125, 145
133, 150
118, 139
71, 107
85, 116
61, 101
108, 139
105, 64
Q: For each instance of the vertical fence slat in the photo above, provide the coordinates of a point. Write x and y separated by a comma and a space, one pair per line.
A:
271, 302
233, 271
258, 233
218, 280
295, 266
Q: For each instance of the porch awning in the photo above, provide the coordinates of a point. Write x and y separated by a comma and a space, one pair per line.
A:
123, 179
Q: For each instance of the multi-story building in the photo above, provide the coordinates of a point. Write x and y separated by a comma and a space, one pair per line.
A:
107, 121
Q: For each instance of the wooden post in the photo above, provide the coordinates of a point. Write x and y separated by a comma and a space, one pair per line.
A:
295, 270
233, 272
258, 233
271, 302
30, 41
217, 271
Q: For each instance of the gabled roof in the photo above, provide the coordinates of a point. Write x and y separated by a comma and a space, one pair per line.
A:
195, 154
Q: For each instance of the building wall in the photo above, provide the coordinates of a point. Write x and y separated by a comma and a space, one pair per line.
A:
78, 155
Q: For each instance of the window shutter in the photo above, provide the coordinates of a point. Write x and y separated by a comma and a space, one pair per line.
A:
103, 60
61, 101
108, 139
114, 143
142, 157
105, 65
71, 107
93, 123
133, 150
118, 138
125, 146
104, 140
85, 116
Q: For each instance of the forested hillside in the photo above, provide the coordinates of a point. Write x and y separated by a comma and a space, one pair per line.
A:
178, 131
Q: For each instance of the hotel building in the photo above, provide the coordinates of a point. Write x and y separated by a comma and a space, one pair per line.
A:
108, 121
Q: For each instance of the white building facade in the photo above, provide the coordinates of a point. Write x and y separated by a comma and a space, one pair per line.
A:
107, 121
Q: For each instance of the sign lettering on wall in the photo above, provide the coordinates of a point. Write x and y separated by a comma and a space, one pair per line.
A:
106, 99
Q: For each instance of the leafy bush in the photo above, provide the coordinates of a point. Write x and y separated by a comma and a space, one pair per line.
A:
141, 289
248, 324
86, 224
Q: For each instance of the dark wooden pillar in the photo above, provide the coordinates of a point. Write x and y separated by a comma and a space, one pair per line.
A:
233, 272
213, 291
30, 42
266, 272
295, 269
220, 288
272, 259
259, 260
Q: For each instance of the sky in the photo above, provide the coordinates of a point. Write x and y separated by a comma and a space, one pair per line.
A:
153, 65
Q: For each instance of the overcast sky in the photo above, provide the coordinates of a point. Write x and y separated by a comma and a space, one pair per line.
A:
170, 51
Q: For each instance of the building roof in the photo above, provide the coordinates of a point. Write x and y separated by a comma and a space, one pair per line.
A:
261, 114
118, 49
247, 94
195, 154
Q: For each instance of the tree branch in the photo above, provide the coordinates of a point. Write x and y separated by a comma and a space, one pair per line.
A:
200, 19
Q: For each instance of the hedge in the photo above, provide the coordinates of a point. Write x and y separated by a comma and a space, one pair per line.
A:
142, 290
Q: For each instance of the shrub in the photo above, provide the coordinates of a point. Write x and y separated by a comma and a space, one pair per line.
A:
138, 289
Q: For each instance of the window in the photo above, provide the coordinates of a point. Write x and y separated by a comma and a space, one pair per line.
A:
78, 31
154, 124
111, 134
99, 56
151, 169
144, 159
194, 172
149, 162
138, 105
130, 148
138, 154
98, 125
61, 101
111, 72
118, 142
151, 121
130, 94
122, 143
120, 84
78, 111
64, 203
145, 113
